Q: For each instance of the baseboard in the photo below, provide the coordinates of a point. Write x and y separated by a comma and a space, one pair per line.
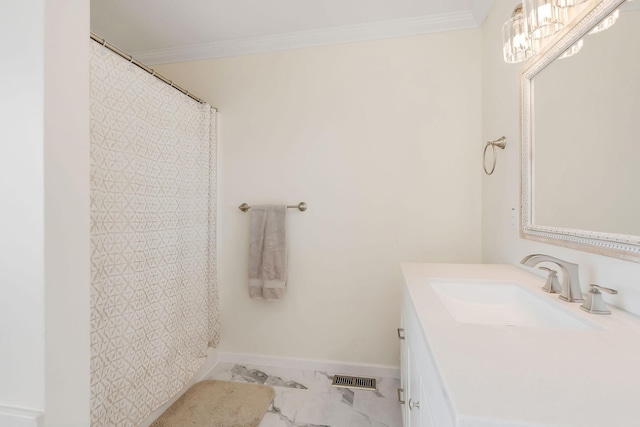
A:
204, 371
331, 366
16, 417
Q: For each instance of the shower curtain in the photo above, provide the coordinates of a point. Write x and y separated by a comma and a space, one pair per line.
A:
154, 304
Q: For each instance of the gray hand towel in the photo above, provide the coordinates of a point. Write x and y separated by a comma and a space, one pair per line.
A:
268, 252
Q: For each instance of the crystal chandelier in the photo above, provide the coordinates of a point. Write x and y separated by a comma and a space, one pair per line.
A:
517, 46
544, 18
534, 20
529, 23
569, 3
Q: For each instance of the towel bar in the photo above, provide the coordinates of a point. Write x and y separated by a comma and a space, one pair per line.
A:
302, 206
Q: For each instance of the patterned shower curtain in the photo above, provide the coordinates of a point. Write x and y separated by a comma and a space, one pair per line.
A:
154, 305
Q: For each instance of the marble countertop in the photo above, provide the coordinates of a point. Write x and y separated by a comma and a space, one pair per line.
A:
498, 376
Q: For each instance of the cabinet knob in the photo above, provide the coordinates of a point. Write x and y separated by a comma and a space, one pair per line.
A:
400, 392
413, 404
401, 333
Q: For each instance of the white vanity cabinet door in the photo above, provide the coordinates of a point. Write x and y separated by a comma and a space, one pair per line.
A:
404, 372
420, 378
416, 400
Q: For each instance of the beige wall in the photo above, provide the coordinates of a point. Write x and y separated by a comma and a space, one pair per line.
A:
501, 191
67, 213
381, 139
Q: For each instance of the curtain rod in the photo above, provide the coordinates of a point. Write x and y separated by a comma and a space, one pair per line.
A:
139, 64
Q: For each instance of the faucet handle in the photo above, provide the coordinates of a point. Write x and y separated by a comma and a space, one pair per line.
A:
553, 285
598, 288
594, 303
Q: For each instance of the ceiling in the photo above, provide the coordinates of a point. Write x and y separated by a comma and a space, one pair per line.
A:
160, 31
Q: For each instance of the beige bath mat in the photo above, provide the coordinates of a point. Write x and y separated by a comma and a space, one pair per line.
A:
218, 404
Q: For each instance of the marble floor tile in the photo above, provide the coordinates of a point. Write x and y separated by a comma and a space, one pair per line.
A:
306, 398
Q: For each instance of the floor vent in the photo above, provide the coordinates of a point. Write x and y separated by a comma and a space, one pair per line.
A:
354, 382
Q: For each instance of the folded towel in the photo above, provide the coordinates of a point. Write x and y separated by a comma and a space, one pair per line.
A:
268, 252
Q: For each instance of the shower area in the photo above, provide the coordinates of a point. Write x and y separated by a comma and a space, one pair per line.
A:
154, 300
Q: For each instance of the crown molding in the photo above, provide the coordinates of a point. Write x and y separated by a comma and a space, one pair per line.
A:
327, 36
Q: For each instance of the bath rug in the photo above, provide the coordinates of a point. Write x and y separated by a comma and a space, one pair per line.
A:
214, 403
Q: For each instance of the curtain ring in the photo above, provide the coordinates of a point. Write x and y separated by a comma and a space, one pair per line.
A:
500, 143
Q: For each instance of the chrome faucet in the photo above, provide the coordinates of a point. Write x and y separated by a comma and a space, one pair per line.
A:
570, 282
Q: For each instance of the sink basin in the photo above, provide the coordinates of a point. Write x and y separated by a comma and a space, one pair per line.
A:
503, 303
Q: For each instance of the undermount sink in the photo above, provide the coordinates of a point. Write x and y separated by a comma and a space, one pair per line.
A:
502, 303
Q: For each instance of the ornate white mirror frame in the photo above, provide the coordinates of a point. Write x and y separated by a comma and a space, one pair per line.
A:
613, 245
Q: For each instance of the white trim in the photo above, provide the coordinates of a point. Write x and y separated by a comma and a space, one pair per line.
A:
16, 417
322, 37
331, 366
204, 371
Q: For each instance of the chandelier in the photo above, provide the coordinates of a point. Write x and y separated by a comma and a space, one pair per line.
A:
532, 21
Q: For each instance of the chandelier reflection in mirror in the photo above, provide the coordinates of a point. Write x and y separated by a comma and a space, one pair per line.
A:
535, 20
606, 22
572, 50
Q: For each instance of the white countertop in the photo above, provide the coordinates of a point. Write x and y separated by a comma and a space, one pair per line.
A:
513, 376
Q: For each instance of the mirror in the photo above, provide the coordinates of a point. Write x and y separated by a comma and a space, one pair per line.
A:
579, 139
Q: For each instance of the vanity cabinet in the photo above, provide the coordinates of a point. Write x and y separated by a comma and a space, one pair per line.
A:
425, 399
470, 367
